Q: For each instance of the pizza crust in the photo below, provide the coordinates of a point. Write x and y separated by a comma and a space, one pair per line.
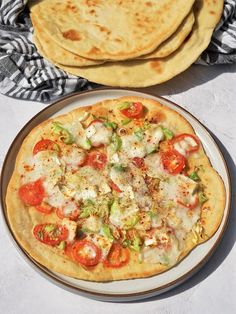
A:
23, 218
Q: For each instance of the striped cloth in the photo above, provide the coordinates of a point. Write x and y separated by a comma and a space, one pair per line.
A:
25, 74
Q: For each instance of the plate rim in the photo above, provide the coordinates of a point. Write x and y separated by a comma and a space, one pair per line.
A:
119, 297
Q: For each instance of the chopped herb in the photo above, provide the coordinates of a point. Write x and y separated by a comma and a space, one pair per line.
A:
136, 244
194, 176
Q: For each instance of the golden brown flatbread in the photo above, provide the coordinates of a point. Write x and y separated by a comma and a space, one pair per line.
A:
110, 30
175, 211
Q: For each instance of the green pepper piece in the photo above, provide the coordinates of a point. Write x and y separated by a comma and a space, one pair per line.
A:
65, 136
110, 124
202, 198
116, 142
136, 245
131, 222
106, 231
126, 121
167, 133
194, 176
125, 105
119, 167
139, 134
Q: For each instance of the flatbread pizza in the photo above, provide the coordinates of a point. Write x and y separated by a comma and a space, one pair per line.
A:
117, 190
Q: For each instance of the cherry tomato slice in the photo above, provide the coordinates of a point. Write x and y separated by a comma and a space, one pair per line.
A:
114, 186
117, 256
86, 253
45, 145
134, 111
97, 160
50, 234
173, 161
138, 162
187, 137
44, 208
191, 205
72, 216
95, 121
32, 193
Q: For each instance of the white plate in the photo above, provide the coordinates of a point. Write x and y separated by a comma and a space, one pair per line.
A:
135, 289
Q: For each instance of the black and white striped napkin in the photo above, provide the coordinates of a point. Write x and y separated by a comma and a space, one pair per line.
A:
25, 74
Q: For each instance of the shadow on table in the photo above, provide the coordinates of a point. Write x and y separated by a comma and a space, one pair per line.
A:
194, 76
224, 247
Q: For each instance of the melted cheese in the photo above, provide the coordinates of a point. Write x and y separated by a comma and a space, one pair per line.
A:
183, 146
102, 242
98, 134
154, 166
73, 157
132, 147
71, 227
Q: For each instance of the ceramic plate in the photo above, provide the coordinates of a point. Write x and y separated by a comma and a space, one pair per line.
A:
135, 289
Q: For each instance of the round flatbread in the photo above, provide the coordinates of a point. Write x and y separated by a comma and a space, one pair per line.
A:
143, 73
112, 204
56, 52
110, 30
174, 41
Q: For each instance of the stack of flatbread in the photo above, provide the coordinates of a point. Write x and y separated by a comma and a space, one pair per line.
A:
130, 43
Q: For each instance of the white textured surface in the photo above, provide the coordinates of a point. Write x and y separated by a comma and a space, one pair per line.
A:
209, 94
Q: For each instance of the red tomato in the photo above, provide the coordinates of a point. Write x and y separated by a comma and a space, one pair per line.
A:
117, 256
138, 162
72, 216
190, 206
114, 187
44, 208
173, 161
134, 111
190, 148
86, 253
32, 193
97, 160
50, 234
95, 121
45, 145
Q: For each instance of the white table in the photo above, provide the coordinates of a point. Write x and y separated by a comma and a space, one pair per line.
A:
209, 94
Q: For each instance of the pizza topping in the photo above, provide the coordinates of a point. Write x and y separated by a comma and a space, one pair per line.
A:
45, 144
173, 161
86, 253
44, 208
154, 166
168, 134
70, 210
132, 110
117, 257
50, 234
71, 226
32, 193
98, 133
73, 157
96, 160
185, 143
102, 242
79, 135
64, 135
138, 162
194, 176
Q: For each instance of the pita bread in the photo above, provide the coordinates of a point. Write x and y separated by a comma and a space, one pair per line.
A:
22, 218
110, 30
55, 52
143, 73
